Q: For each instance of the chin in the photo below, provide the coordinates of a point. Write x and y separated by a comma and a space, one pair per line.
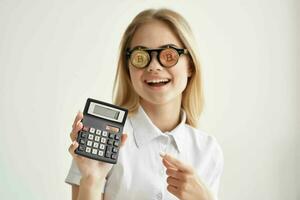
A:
159, 100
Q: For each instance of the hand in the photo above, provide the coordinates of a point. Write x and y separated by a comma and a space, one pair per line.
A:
88, 167
183, 181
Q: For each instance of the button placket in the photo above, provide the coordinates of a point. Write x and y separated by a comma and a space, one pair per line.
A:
164, 149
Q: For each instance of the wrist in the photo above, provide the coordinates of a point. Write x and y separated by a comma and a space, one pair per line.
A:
92, 181
90, 188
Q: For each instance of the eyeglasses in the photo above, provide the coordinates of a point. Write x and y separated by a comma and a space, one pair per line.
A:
168, 56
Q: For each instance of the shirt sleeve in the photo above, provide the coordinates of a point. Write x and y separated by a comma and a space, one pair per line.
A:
74, 175
215, 182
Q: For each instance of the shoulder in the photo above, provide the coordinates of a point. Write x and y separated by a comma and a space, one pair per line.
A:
205, 143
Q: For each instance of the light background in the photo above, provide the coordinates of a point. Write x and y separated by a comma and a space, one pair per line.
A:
55, 54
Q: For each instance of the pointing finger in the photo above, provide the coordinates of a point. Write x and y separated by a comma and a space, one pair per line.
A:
178, 164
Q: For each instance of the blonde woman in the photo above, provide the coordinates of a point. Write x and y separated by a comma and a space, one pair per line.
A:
164, 157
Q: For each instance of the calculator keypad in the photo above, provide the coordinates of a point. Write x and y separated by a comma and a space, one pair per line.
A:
99, 143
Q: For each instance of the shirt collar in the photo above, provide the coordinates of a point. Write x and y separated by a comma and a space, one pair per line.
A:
144, 130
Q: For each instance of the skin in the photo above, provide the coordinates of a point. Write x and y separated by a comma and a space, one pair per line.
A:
157, 102
93, 172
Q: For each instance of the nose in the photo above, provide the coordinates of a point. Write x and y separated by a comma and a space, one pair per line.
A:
154, 65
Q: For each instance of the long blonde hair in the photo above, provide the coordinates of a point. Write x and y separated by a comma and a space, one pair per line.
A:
124, 94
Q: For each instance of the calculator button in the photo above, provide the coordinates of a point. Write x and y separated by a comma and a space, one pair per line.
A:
89, 143
116, 143
117, 137
114, 156
88, 150
112, 129
96, 145
82, 141
115, 150
101, 153
83, 135
98, 132
103, 140
110, 142
111, 135
107, 154
85, 128
109, 148
91, 137
97, 138
92, 130
102, 146
81, 148
94, 151
104, 133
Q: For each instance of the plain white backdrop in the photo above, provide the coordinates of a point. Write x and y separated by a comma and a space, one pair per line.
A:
55, 54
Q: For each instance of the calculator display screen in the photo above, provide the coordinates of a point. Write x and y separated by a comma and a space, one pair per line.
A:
106, 112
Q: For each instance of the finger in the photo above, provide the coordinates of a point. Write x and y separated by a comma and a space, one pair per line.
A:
72, 148
123, 139
178, 164
168, 165
176, 174
174, 182
172, 189
78, 117
76, 129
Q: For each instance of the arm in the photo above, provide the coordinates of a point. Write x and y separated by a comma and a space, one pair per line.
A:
75, 192
92, 172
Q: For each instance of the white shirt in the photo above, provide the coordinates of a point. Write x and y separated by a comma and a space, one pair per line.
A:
139, 172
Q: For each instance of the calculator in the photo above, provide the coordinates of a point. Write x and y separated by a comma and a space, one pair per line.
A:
100, 136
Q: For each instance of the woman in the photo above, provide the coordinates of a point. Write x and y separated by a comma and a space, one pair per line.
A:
164, 157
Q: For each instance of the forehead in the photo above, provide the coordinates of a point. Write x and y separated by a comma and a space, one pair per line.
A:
154, 34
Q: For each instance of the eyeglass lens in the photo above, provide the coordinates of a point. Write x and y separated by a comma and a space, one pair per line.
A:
167, 57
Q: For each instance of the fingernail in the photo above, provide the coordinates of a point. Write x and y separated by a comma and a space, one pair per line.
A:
162, 154
74, 142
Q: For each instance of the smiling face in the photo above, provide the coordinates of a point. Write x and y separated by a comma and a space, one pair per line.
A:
156, 84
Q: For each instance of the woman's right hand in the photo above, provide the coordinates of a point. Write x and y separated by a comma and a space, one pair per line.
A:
88, 167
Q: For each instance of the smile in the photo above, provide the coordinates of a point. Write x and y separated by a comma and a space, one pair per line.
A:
157, 82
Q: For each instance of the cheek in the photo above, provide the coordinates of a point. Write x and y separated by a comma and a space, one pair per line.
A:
135, 75
181, 75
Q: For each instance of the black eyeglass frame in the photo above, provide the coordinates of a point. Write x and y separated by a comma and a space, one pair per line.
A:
180, 51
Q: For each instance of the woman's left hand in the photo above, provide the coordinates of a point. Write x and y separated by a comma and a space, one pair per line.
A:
183, 181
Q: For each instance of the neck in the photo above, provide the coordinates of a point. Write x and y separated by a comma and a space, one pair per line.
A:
164, 116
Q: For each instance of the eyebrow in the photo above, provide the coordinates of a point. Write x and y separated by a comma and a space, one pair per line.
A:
162, 46
173, 45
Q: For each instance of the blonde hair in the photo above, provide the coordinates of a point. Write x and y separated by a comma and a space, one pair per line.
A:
124, 94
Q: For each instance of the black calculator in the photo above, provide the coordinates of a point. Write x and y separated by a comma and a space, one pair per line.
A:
100, 137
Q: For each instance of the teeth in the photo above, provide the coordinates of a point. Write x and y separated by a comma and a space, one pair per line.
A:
157, 81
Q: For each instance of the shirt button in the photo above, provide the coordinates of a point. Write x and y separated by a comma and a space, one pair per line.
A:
159, 196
